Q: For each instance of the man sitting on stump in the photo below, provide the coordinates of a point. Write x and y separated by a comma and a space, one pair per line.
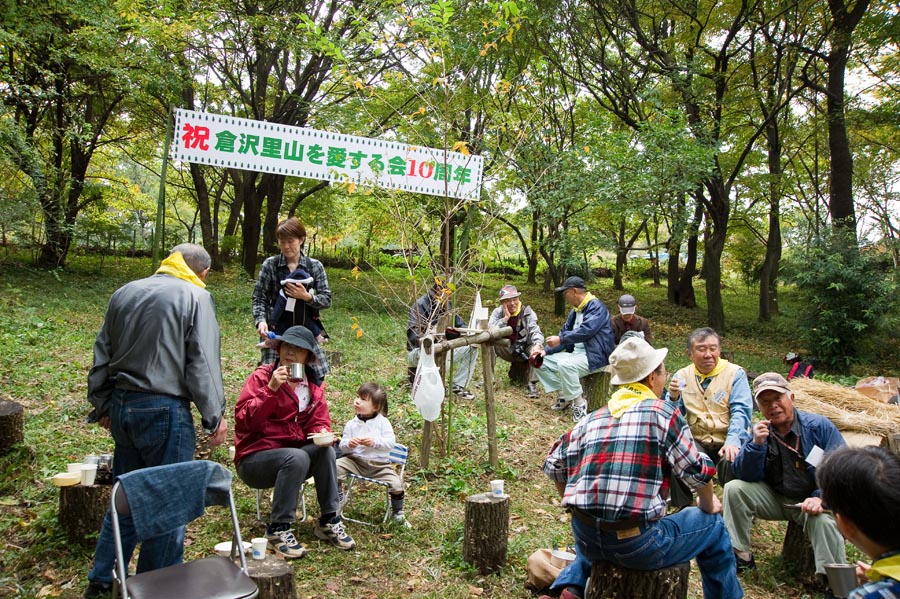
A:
526, 338
627, 321
612, 473
776, 475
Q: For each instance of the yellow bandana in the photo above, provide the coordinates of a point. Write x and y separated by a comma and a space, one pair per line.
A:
888, 567
627, 396
175, 266
721, 365
516, 313
588, 297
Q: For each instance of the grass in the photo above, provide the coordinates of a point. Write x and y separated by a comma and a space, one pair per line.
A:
48, 321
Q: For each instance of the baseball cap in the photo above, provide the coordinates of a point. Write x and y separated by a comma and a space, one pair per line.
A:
508, 292
627, 304
770, 380
576, 282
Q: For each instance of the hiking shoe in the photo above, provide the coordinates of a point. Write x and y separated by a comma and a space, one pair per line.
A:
462, 393
742, 565
95, 590
560, 404
285, 544
579, 411
334, 533
399, 519
532, 390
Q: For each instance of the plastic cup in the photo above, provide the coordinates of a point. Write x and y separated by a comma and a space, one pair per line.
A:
91, 459
88, 474
231, 451
74, 468
841, 578
258, 547
497, 488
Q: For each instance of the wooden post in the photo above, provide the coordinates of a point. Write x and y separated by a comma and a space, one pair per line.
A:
81, 511
609, 581
797, 551
486, 531
274, 577
489, 406
12, 424
596, 388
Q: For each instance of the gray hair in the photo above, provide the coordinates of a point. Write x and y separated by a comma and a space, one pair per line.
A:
194, 255
701, 333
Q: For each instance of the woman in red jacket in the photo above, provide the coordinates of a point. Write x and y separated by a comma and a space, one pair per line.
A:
274, 418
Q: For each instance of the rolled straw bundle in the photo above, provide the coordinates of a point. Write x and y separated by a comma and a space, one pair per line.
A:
847, 408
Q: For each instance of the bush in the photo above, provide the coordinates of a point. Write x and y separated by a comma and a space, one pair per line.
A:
846, 298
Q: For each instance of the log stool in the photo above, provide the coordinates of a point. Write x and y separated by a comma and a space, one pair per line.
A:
486, 531
81, 511
797, 551
596, 389
609, 581
12, 424
273, 576
518, 372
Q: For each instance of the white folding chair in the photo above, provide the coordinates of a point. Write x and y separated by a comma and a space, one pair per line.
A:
161, 499
398, 456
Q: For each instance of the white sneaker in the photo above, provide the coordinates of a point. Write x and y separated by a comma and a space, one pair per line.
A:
560, 404
579, 411
334, 533
399, 519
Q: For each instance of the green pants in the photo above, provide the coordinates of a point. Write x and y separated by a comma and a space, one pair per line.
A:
745, 501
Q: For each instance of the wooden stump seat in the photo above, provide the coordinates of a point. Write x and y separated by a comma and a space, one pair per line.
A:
81, 511
797, 551
609, 581
12, 424
486, 531
596, 388
274, 578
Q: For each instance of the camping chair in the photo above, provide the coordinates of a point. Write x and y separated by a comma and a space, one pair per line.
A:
302, 501
163, 498
398, 456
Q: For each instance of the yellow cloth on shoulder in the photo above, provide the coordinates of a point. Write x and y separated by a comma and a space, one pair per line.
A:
175, 266
888, 567
587, 297
626, 396
721, 365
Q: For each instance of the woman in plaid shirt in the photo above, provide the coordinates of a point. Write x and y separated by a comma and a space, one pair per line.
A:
612, 471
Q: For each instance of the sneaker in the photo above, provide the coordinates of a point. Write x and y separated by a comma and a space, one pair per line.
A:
560, 404
532, 390
285, 544
95, 590
399, 519
462, 393
579, 411
743, 565
334, 533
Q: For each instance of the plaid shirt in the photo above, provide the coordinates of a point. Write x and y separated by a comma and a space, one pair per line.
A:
618, 468
274, 270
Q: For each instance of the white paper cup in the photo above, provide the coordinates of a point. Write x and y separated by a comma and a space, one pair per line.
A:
497, 487
231, 451
88, 474
74, 468
258, 547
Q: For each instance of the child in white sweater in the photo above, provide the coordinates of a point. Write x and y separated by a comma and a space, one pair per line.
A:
367, 442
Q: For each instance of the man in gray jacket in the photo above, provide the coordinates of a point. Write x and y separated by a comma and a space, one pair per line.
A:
157, 352
526, 338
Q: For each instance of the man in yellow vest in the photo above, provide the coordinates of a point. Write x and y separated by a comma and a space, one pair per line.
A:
714, 396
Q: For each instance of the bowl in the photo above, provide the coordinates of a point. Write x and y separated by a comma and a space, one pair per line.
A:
322, 439
224, 548
561, 559
67, 479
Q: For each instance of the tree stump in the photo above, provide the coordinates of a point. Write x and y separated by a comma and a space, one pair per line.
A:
81, 511
892, 443
518, 372
596, 389
12, 424
335, 358
609, 581
486, 531
797, 551
274, 577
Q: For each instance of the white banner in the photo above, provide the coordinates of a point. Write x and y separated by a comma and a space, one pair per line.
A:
262, 146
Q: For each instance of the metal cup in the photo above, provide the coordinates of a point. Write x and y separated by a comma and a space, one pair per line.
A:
296, 372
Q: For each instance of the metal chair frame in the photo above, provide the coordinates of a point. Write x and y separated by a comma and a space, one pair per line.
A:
398, 456
302, 501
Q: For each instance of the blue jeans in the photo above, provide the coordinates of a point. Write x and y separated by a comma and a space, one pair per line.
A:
685, 535
149, 430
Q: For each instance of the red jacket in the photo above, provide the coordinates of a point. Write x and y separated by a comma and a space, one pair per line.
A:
266, 419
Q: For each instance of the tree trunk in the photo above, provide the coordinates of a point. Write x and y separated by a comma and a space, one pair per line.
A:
719, 209
486, 532
609, 581
768, 276
685, 293
252, 202
12, 424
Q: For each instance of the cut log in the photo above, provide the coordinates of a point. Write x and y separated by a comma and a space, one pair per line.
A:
609, 581
335, 358
486, 531
892, 442
274, 577
797, 551
81, 511
12, 424
518, 372
596, 389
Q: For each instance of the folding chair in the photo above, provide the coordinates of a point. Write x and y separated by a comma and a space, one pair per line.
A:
302, 502
398, 455
163, 498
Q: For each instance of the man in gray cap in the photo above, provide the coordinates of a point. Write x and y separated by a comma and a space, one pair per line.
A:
526, 338
626, 320
776, 475
582, 347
